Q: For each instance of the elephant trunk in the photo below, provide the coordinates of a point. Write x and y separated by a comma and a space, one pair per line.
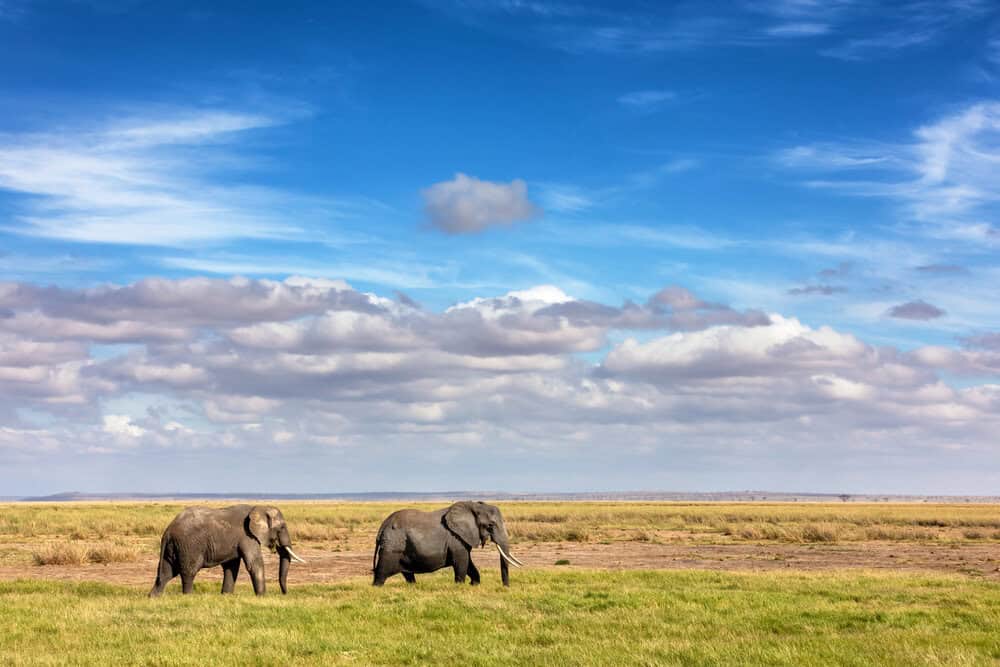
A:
502, 543
283, 570
286, 556
504, 571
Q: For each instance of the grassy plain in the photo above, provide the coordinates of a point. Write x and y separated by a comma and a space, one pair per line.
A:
547, 618
556, 612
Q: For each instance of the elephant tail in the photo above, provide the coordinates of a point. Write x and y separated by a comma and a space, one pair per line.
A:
165, 570
378, 549
378, 544
168, 550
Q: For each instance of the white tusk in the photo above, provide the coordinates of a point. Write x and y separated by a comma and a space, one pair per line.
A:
510, 558
507, 558
291, 554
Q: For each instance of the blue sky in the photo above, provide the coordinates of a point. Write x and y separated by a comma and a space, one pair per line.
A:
500, 245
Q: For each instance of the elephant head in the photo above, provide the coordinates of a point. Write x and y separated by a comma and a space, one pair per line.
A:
474, 523
267, 526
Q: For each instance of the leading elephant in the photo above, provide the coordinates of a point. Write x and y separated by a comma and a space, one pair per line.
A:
201, 537
410, 541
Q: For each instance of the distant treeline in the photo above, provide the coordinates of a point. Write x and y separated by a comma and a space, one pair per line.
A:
721, 496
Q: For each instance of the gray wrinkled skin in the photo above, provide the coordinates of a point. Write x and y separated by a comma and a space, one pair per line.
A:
201, 537
411, 541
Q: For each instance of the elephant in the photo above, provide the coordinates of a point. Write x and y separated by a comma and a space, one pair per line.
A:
201, 537
411, 541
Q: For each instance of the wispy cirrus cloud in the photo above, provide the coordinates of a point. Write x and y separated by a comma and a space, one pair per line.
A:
647, 100
400, 273
137, 181
569, 198
798, 29
945, 179
941, 269
906, 26
842, 29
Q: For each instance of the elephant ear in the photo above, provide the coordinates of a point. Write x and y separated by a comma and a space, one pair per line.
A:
460, 520
259, 524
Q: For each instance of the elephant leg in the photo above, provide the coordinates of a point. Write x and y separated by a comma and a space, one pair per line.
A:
255, 567
230, 570
460, 560
187, 582
164, 573
473, 572
410, 577
387, 565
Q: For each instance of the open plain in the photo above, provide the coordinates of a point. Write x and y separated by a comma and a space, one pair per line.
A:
607, 583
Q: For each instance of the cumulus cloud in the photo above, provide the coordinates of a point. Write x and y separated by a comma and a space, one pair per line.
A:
317, 366
467, 204
686, 311
916, 310
160, 309
987, 341
731, 351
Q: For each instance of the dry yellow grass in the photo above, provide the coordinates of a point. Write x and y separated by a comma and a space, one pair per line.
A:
72, 553
60, 554
111, 532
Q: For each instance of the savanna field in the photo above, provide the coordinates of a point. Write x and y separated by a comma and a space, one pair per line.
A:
605, 583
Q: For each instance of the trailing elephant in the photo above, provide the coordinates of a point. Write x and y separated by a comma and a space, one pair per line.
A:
201, 537
410, 542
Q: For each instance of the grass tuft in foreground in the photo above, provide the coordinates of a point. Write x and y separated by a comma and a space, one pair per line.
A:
545, 618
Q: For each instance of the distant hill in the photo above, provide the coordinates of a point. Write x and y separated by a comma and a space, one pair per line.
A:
720, 496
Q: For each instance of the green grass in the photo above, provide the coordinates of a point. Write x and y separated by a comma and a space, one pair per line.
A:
546, 618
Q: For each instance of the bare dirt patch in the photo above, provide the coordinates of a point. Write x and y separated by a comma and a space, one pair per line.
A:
327, 566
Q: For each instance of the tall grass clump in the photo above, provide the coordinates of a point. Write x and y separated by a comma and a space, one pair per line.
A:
112, 553
60, 554
71, 553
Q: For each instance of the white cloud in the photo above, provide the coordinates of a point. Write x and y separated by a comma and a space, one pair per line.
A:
528, 300
466, 204
121, 425
736, 350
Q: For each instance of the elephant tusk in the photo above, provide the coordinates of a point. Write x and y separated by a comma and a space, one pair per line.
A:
509, 559
291, 554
